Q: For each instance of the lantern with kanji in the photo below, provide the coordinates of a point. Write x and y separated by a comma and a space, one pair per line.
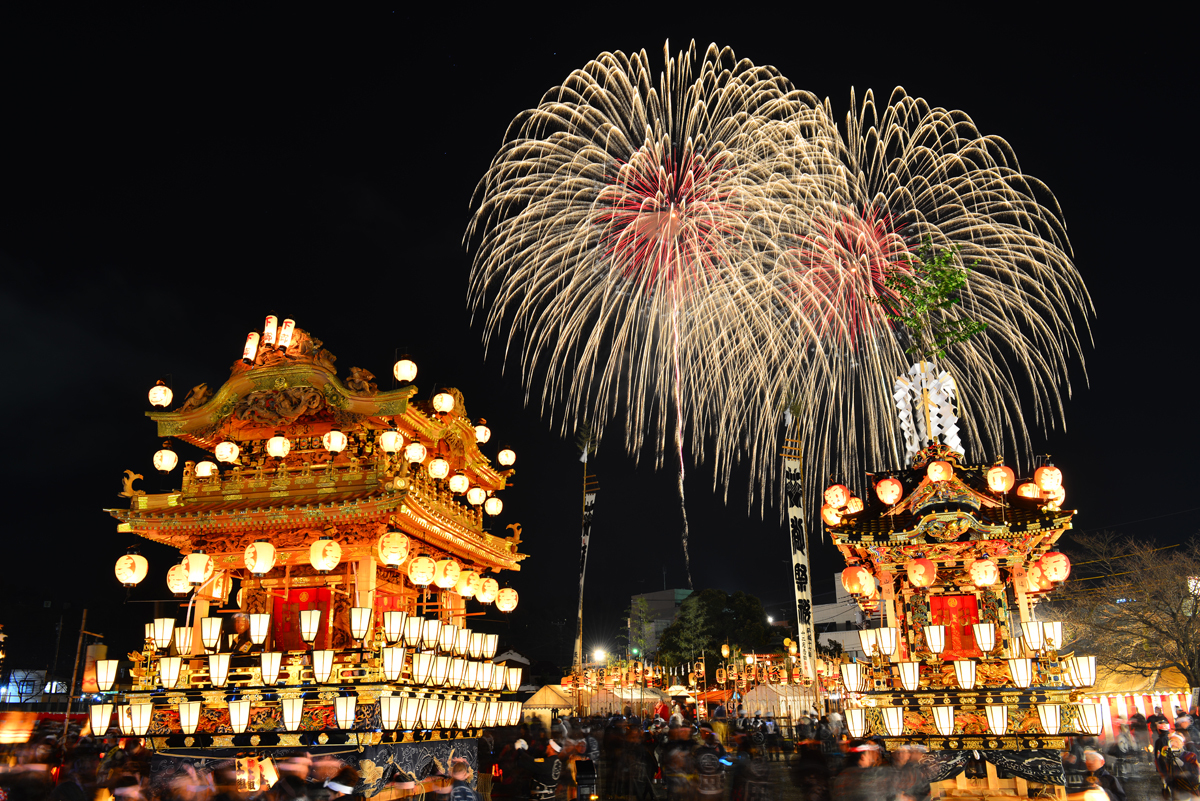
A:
921, 572
392, 548
854, 505
1055, 566
836, 495
325, 555
984, 572
889, 490
506, 599
1047, 477
830, 515
939, 471
858, 580
1000, 478
1029, 490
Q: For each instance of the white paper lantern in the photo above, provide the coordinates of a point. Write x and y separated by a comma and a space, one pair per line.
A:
334, 441
131, 569
856, 722
293, 713
392, 548
421, 570
415, 452
405, 370
160, 395
393, 625
506, 599
250, 350
199, 567
106, 674
476, 496
493, 506
438, 468
218, 669
168, 671
943, 718
344, 708
389, 710
443, 402
270, 662
322, 665
445, 573
506, 457
893, 720
279, 446
189, 716
207, 469
239, 715
164, 627
1050, 716
259, 558
165, 459
325, 555
391, 441
997, 718
489, 588
482, 432
459, 483
226, 452
468, 582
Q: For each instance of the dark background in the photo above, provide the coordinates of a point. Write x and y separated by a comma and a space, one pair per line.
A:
169, 177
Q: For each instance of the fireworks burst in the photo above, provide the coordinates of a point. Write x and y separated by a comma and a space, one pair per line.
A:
695, 253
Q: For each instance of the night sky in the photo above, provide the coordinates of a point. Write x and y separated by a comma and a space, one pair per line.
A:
167, 180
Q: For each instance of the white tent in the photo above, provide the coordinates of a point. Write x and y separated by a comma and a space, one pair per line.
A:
782, 701
613, 700
546, 704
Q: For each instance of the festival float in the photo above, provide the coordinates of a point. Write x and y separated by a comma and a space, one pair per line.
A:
952, 560
354, 521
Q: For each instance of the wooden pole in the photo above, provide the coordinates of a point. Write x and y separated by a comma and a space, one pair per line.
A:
74, 676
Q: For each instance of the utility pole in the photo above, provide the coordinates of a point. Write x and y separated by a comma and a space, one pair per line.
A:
74, 676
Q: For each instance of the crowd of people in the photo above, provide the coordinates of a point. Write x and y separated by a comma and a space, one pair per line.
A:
737, 756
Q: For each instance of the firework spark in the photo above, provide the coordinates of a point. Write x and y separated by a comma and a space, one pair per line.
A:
694, 254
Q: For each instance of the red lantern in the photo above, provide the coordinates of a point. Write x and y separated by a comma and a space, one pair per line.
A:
857, 580
830, 515
1037, 581
1029, 490
984, 572
1055, 496
854, 505
1000, 478
921, 572
837, 495
1048, 477
889, 491
1055, 566
939, 471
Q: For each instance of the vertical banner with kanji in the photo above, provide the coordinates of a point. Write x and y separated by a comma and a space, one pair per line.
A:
806, 646
589, 503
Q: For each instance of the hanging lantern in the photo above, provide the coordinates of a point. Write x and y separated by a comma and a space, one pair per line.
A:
270, 330
921, 572
393, 662
393, 625
139, 716
391, 441
830, 515
199, 566
1047, 477
100, 717
421, 570
106, 674
445, 573
1090, 718
177, 580
935, 638
468, 582
854, 505
893, 720
1033, 634
506, 599
1055, 497
278, 446
206, 469
165, 459
910, 675
250, 349
285, 334
415, 452
1050, 716
482, 432
1055, 566
443, 402
334, 441
344, 707
293, 713
226, 452
964, 672
270, 661
887, 639
324, 555
218, 669
489, 588
259, 558
997, 718
1000, 478
239, 715
490, 641
984, 572
943, 718
459, 483
1083, 670
160, 395
389, 711
939, 471
1029, 490
438, 468
867, 638
1021, 671
506, 457
405, 370
476, 495
858, 580
260, 626
183, 640
985, 636
131, 569
392, 548
164, 628
512, 678
210, 631
836, 495
889, 491
431, 628
854, 677
493, 506
322, 665
462, 643
1052, 633
189, 716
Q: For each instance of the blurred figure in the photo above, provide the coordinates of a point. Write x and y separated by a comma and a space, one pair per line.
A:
486, 748
460, 789
678, 766
1098, 775
751, 774
909, 782
1178, 768
810, 773
864, 778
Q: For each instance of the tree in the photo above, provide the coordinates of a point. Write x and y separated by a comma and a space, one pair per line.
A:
926, 289
1134, 605
710, 618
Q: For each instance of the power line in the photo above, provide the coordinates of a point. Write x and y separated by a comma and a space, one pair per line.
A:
1140, 520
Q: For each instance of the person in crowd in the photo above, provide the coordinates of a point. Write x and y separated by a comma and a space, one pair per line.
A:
1098, 775
460, 788
1178, 768
864, 778
810, 772
909, 782
485, 747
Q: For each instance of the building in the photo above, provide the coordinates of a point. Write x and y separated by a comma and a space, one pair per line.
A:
661, 609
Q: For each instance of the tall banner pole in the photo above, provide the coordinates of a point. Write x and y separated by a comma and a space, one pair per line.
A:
590, 486
806, 645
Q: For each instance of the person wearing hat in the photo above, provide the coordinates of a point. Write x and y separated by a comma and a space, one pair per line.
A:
1098, 775
1178, 767
547, 772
